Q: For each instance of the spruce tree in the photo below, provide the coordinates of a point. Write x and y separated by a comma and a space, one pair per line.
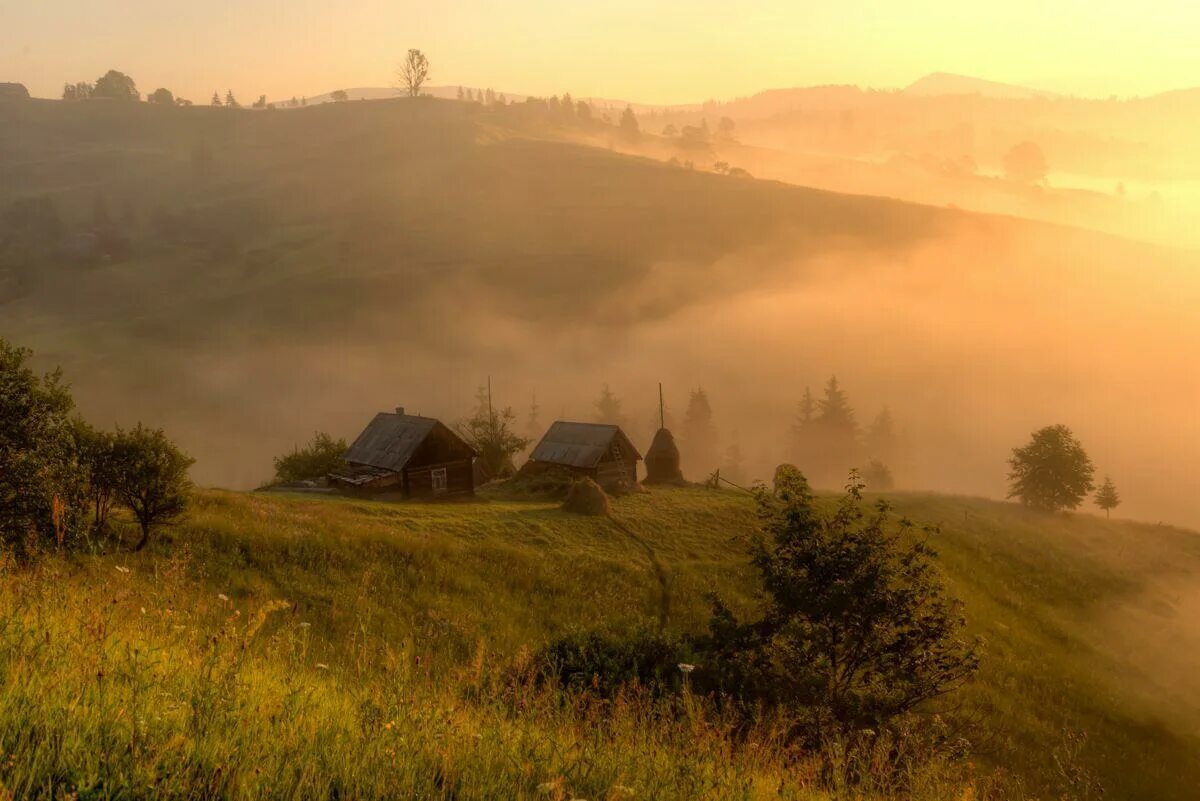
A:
699, 434
1107, 497
608, 408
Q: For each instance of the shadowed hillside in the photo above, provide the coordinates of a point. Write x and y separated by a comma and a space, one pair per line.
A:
244, 278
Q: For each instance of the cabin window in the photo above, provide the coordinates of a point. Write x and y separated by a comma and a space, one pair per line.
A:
438, 475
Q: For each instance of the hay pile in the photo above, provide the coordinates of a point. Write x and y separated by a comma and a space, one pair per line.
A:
662, 460
586, 498
545, 484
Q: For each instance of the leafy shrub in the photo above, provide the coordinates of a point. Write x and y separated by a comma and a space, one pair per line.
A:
538, 484
314, 461
605, 665
855, 628
41, 483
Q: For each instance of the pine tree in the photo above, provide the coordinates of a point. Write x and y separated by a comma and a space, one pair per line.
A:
216, 99
629, 123
460, 93
1107, 497
608, 408
699, 445
231, 101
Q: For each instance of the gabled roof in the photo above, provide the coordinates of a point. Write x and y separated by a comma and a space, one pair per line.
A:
390, 440
580, 444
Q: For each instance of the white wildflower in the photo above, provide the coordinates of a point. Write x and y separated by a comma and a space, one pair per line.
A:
322, 666
122, 569
222, 596
685, 668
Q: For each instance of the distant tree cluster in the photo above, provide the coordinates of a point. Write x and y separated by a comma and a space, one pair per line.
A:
320, 457
492, 433
827, 440
1053, 472
56, 471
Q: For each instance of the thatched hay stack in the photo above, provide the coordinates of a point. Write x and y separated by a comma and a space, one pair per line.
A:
586, 498
662, 460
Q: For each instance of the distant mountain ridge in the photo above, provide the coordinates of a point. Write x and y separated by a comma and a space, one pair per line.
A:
948, 83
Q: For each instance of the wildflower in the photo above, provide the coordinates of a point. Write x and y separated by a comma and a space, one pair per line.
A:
122, 569
143, 610
305, 624
685, 668
322, 666
222, 596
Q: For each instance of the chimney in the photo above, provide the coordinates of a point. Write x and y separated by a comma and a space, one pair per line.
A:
399, 410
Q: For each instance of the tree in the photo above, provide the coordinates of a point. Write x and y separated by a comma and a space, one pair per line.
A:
77, 91
877, 476
725, 129
1025, 163
699, 445
41, 484
1107, 497
413, 72
669, 131
855, 629
490, 432
608, 408
231, 101
161, 97
216, 100
339, 96
629, 123
1052, 472
116, 86
261, 103
96, 452
152, 478
734, 466
533, 422
461, 95
314, 461
583, 112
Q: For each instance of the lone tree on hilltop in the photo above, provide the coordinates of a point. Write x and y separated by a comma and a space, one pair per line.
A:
1107, 497
1052, 472
116, 85
152, 478
629, 123
339, 96
855, 626
162, 97
413, 72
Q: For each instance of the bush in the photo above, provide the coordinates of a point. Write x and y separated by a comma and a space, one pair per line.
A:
41, 481
586, 498
314, 461
855, 629
592, 661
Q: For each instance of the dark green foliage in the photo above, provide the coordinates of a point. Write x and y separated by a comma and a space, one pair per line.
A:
114, 85
1107, 497
491, 433
586, 497
314, 461
1052, 472
41, 489
855, 628
152, 478
605, 665
97, 459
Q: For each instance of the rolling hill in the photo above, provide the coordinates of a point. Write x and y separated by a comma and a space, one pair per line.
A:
272, 273
386, 616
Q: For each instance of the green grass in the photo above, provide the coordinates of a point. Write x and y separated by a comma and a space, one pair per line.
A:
384, 673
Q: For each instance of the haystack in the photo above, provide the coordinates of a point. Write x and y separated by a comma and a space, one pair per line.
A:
662, 460
586, 498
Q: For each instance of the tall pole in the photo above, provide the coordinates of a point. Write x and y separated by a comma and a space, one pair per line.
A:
662, 413
491, 414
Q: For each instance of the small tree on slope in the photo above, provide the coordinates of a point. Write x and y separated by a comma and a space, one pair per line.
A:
152, 478
855, 629
1107, 497
1052, 472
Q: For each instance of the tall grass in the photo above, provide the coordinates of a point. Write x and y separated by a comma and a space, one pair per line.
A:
139, 683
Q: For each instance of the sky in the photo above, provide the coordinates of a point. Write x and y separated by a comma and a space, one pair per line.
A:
669, 51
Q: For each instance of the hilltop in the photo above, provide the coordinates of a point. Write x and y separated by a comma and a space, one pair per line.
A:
1087, 624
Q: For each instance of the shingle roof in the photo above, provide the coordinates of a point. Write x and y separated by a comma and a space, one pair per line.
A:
579, 444
390, 440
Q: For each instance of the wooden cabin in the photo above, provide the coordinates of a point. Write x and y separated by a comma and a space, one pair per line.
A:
417, 457
597, 450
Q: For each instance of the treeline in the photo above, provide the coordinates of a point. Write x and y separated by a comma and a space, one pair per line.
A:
116, 85
60, 477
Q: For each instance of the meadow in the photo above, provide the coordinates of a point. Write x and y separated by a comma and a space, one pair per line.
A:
294, 646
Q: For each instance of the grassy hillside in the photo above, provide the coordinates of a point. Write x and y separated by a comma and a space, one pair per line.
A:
394, 612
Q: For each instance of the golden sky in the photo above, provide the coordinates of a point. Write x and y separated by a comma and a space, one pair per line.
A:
669, 51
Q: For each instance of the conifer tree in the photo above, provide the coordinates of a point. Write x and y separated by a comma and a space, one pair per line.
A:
1107, 497
699, 434
608, 408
